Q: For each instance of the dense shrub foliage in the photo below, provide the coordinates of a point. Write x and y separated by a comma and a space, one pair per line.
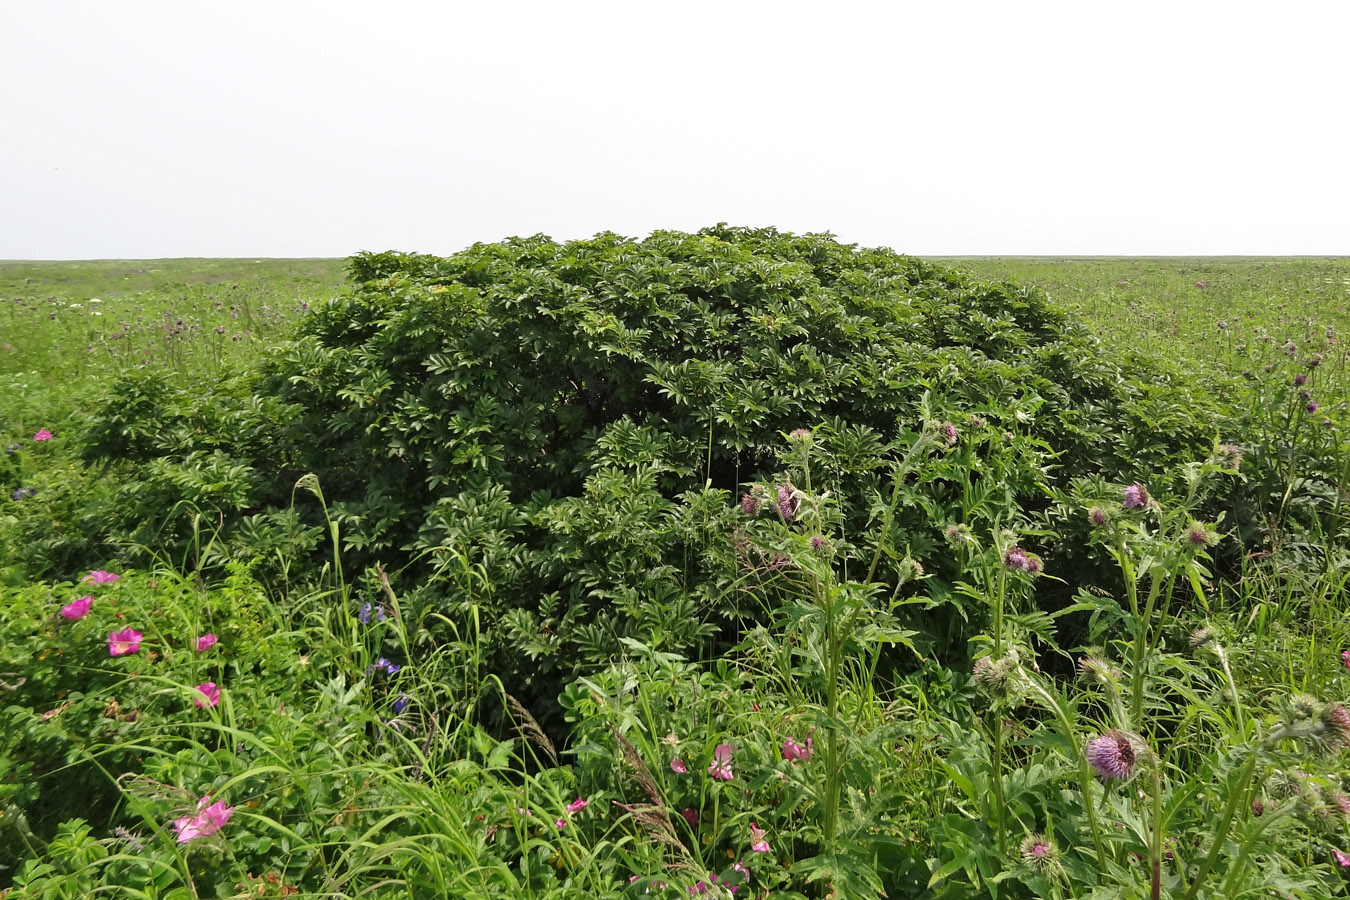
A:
730, 564
558, 433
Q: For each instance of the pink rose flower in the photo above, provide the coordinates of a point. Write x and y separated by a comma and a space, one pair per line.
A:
794, 752
208, 820
77, 609
120, 643
721, 764
210, 695
760, 845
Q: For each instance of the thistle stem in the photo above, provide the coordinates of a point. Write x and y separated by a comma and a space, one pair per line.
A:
1235, 797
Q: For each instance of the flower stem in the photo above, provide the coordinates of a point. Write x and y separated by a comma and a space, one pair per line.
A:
1235, 797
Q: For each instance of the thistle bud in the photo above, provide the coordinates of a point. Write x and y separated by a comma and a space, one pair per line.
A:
1040, 853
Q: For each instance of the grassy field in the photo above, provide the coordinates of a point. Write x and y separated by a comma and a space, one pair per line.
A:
1208, 313
1122, 684
74, 324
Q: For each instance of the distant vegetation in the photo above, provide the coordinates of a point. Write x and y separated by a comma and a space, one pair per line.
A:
735, 563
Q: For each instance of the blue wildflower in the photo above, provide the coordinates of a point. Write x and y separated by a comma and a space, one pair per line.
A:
401, 704
383, 665
365, 614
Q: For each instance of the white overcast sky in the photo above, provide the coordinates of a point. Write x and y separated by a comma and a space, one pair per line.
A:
145, 129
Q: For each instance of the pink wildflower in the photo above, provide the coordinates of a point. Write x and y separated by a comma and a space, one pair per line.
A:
561, 823
759, 845
1342, 859
1113, 754
77, 609
721, 764
210, 695
793, 751
120, 643
1136, 497
98, 576
690, 816
207, 641
208, 820
578, 805
42, 435
679, 768
1345, 658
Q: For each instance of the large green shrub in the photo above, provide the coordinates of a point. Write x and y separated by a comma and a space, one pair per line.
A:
563, 428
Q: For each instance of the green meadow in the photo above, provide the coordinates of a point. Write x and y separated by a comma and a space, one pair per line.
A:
733, 564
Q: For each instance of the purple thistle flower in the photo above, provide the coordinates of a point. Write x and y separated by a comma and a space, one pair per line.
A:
1335, 717
1200, 536
1136, 497
1017, 558
949, 433
1113, 755
788, 502
1313, 406
749, 504
1300, 379
1231, 456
